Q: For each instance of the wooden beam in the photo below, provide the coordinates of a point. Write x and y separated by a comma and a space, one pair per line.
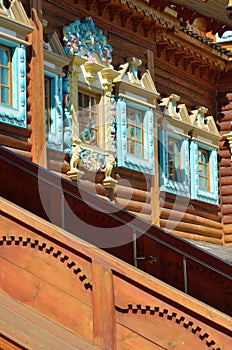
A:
103, 306
36, 85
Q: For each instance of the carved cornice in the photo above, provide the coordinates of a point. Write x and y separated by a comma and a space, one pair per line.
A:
183, 50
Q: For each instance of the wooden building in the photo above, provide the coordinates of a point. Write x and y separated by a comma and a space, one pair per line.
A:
140, 90
116, 111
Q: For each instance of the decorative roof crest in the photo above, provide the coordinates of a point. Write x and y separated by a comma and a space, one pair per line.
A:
83, 39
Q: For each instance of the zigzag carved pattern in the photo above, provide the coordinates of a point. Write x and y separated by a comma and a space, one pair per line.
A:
172, 316
57, 254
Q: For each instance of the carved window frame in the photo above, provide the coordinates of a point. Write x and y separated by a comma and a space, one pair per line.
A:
15, 112
54, 136
197, 193
143, 164
181, 187
12, 36
54, 61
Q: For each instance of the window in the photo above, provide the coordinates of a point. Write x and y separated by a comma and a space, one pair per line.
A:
5, 75
174, 159
203, 169
135, 132
135, 136
173, 150
204, 172
12, 83
14, 29
47, 95
88, 121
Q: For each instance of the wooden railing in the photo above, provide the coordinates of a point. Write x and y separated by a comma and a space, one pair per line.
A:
118, 232
106, 302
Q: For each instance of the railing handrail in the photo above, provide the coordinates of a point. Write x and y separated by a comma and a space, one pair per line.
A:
134, 227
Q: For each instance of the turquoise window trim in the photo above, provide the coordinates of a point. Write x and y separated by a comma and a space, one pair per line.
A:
16, 114
210, 196
55, 136
182, 187
143, 164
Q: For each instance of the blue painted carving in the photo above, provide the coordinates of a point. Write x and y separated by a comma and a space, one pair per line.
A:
67, 115
83, 39
92, 161
166, 184
143, 164
55, 135
211, 195
15, 114
113, 124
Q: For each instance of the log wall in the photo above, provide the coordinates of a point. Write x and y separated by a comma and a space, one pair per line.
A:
225, 169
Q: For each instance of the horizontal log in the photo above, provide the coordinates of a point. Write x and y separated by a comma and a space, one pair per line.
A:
142, 216
228, 239
186, 217
13, 142
188, 207
225, 171
133, 206
226, 180
226, 200
132, 193
225, 162
191, 228
228, 229
226, 190
196, 237
58, 166
224, 153
226, 209
15, 131
226, 115
227, 219
225, 126
92, 187
22, 153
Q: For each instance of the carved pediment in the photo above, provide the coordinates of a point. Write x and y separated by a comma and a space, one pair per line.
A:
13, 15
129, 80
53, 51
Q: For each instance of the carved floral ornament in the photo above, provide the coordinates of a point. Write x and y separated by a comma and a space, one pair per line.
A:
83, 39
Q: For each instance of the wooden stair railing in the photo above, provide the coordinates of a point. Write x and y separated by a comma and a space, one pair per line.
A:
169, 258
102, 300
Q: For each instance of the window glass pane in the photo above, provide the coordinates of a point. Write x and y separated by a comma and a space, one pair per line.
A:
174, 159
5, 75
87, 106
135, 140
47, 89
203, 169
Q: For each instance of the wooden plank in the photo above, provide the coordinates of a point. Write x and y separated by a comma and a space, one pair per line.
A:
36, 86
103, 306
35, 331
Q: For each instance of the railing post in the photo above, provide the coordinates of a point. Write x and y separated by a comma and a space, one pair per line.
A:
185, 275
103, 307
135, 248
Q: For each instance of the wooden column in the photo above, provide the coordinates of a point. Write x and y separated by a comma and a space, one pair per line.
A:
36, 90
103, 307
